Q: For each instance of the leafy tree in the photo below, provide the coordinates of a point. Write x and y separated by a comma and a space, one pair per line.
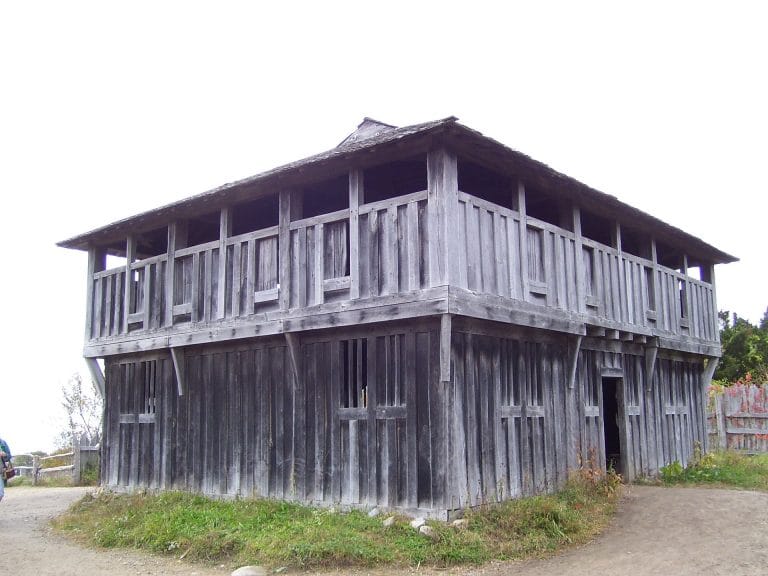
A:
745, 349
84, 407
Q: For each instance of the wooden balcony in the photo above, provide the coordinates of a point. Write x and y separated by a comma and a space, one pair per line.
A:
378, 261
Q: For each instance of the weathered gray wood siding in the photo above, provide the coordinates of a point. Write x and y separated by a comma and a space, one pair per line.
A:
519, 428
246, 425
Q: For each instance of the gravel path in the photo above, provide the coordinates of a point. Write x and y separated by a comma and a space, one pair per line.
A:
680, 531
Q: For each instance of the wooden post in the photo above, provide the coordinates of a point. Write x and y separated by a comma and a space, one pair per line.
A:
706, 379
443, 200
579, 257
130, 256
284, 243
177, 238
356, 193
35, 470
225, 226
708, 275
722, 430
76, 460
97, 261
523, 239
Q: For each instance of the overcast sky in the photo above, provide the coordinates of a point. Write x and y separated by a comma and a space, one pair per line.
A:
110, 109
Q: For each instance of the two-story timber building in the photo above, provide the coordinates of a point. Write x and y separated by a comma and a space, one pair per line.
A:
420, 319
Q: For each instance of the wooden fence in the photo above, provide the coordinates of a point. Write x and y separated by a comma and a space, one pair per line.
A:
40, 468
737, 418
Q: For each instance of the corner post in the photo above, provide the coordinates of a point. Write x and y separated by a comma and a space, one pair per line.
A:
708, 276
97, 262
443, 200
707, 374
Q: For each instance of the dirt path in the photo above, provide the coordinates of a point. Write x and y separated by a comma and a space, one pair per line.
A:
681, 531
30, 548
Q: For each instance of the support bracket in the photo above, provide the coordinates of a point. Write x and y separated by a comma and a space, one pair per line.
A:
651, 352
178, 365
96, 374
574, 345
709, 370
293, 351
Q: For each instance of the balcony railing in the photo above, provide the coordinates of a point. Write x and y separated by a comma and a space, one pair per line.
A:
542, 265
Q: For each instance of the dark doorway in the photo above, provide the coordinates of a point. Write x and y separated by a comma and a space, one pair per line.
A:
611, 423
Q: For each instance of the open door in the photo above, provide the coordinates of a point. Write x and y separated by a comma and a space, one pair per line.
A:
613, 411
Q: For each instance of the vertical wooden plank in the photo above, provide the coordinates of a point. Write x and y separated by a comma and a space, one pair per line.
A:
302, 277
558, 421
284, 243
336, 370
371, 428
523, 239
225, 225
442, 198
250, 275
130, 256
393, 272
499, 255
499, 453
445, 348
579, 257
486, 437
458, 497
473, 248
319, 274
514, 258
374, 245
411, 425
264, 427
412, 214
298, 419
356, 197
474, 489
170, 275
237, 261
97, 261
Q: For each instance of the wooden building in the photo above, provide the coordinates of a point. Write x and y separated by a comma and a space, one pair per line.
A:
420, 318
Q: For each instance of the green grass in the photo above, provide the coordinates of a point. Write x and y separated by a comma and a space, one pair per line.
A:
276, 533
727, 469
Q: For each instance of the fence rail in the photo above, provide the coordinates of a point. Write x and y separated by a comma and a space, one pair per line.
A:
80, 458
737, 418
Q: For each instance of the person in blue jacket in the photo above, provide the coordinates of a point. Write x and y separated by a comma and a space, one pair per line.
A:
5, 459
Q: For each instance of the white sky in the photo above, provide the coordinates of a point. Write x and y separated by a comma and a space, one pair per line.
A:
108, 109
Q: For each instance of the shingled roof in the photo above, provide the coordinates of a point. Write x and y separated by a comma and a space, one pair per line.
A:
372, 135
